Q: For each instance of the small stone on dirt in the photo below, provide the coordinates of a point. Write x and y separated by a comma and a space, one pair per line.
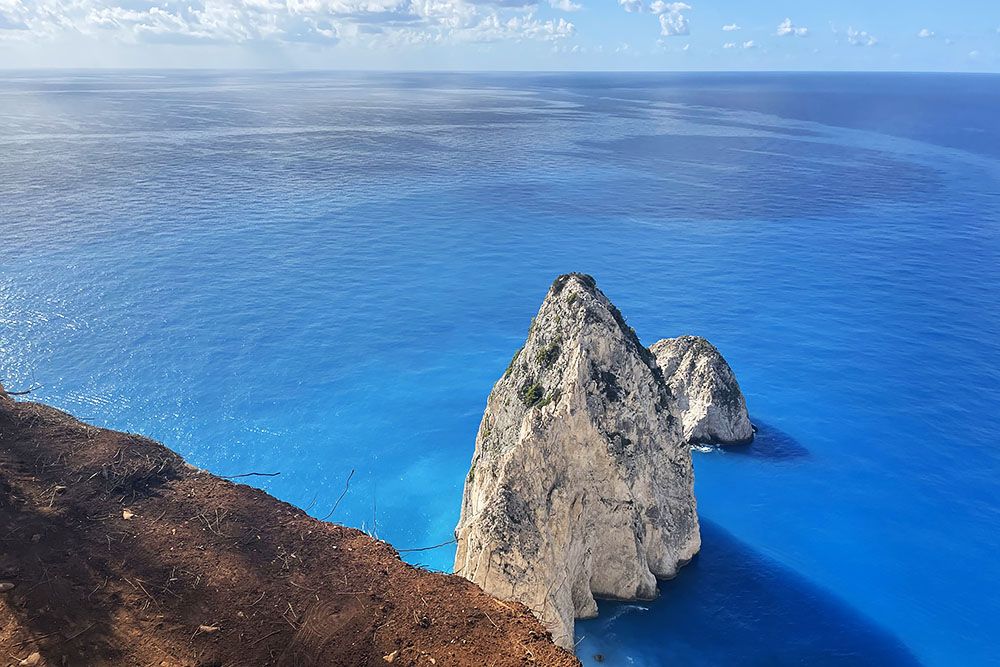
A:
33, 659
208, 629
391, 656
127, 515
5, 586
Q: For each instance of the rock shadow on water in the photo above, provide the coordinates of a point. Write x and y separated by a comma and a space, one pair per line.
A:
733, 606
769, 442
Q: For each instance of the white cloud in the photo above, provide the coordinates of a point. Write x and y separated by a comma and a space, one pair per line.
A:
925, 34
729, 45
494, 28
786, 28
749, 44
631, 5
370, 22
731, 27
662, 7
674, 24
565, 5
861, 38
672, 19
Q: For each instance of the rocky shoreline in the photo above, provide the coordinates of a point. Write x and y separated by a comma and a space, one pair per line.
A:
116, 552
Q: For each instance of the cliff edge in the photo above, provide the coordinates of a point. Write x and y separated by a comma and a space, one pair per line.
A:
116, 552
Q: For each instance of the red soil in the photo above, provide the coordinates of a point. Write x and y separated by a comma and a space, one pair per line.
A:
121, 554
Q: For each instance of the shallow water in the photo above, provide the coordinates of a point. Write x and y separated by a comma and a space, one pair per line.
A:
313, 273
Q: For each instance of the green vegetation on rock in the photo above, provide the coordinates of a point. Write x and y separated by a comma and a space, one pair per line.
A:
532, 394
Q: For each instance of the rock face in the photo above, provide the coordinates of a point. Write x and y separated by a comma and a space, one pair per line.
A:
581, 482
706, 395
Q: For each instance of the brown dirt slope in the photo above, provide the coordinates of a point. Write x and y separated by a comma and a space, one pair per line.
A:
121, 554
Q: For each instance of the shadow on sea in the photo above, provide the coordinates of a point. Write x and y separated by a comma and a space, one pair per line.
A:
771, 443
734, 606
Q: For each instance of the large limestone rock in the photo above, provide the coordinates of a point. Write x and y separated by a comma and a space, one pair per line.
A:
706, 395
581, 483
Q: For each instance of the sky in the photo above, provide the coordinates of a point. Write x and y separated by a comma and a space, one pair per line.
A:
911, 35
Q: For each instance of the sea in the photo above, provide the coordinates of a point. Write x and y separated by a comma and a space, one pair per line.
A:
322, 275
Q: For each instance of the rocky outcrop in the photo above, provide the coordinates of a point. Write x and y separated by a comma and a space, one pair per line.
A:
581, 483
706, 396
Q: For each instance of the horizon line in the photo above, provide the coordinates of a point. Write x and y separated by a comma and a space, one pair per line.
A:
141, 68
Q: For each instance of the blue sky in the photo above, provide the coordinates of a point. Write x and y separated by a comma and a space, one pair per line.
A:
504, 34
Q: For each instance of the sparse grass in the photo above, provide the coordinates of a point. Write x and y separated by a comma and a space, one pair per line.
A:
510, 366
532, 394
560, 282
545, 356
548, 399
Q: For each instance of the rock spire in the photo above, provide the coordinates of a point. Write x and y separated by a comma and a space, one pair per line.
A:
581, 483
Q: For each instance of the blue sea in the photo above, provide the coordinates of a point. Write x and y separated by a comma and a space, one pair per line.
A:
313, 273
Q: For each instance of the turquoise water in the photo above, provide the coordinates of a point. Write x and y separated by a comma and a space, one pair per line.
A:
313, 274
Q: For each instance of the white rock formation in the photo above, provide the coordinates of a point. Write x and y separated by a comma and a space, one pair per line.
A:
581, 482
706, 395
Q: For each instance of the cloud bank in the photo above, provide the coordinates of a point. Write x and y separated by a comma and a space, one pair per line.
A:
245, 21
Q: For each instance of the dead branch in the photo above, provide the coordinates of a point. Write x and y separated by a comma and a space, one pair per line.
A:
347, 484
251, 474
436, 546
26, 391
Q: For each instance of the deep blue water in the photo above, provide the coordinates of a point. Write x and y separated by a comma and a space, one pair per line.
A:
313, 273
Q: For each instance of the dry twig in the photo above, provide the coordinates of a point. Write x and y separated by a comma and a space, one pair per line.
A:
347, 484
